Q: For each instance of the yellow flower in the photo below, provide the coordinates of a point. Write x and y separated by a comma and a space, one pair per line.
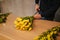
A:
51, 33
29, 23
21, 28
36, 38
49, 38
15, 22
48, 35
55, 32
54, 28
21, 22
17, 28
26, 20
27, 26
25, 23
30, 28
42, 39
19, 19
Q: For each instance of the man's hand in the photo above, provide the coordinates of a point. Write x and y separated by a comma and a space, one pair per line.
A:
37, 7
37, 16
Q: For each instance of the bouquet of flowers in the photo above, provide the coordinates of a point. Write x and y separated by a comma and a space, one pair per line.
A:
24, 23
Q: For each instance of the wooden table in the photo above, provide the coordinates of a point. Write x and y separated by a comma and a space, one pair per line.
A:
40, 26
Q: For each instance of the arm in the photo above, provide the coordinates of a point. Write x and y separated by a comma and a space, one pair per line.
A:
37, 15
37, 5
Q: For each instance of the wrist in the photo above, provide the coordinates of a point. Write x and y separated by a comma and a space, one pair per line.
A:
37, 4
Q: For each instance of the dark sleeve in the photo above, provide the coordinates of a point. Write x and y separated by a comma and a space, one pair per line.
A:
36, 1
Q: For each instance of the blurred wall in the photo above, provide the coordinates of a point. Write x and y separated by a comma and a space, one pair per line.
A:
19, 7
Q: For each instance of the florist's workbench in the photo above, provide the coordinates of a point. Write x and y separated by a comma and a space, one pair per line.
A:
39, 26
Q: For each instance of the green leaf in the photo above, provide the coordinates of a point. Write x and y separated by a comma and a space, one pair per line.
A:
1, 20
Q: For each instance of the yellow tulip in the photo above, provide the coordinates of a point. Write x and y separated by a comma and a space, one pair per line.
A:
30, 29
51, 33
48, 35
17, 28
25, 23
27, 26
26, 20
21, 28
15, 22
36, 38
42, 39
49, 38
21, 22
29, 23
55, 32
19, 19
16, 25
